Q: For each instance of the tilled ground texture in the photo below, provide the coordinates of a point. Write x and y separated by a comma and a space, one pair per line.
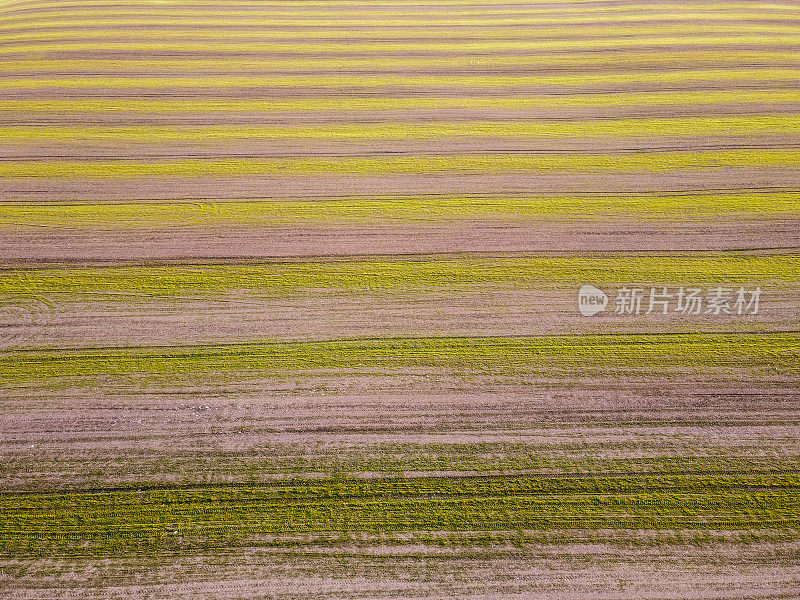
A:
289, 299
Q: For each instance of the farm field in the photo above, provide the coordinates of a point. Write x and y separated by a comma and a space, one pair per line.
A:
289, 299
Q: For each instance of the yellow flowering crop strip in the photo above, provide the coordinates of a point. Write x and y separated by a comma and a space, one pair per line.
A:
302, 47
664, 127
464, 80
278, 213
360, 105
695, 59
620, 163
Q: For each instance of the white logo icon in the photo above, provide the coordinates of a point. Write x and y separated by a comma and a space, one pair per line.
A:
591, 300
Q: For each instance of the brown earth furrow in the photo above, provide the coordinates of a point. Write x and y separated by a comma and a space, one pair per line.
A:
85, 149
397, 29
221, 7
110, 319
77, 118
210, 69
232, 52
423, 91
154, 188
392, 36
188, 244
542, 570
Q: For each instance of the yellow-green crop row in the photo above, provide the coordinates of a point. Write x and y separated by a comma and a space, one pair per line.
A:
302, 47
530, 128
496, 163
536, 33
278, 213
349, 5
366, 275
412, 19
27, 4
376, 13
359, 105
296, 460
364, 80
780, 352
395, 9
212, 518
671, 59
